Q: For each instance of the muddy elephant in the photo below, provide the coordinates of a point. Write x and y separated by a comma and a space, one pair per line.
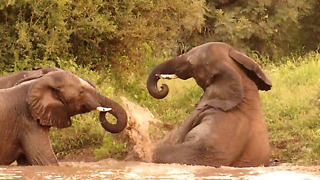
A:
29, 109
18, 77
227, 127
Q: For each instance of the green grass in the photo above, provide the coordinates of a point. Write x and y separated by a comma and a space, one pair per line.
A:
292, 110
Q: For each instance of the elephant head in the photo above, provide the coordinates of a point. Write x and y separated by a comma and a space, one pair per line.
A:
57, 96
216, 69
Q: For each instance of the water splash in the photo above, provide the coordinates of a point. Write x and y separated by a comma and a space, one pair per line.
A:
139, 120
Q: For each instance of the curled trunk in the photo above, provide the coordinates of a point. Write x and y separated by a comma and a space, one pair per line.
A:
117, 111
167, 67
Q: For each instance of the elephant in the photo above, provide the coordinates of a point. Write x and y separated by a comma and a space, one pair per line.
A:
227, 127
29, 109
16, 78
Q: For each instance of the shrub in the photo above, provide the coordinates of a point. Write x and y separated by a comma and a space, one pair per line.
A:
273, 28
94, 32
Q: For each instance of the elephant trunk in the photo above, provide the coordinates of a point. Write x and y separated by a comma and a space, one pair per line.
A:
166, 67
117, 111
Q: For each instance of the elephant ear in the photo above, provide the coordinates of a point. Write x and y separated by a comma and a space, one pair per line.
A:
46, 103
252, 69
226, 90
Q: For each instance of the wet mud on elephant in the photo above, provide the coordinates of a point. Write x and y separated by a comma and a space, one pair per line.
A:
29, 109
227, 127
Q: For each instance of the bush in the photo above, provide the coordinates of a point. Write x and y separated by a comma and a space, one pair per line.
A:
272, 28
98, 33
117, 34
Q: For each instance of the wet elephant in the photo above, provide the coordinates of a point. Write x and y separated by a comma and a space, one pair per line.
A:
227, 128
29, 109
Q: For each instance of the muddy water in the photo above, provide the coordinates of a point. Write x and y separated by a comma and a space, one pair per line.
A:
140, 120
111, 169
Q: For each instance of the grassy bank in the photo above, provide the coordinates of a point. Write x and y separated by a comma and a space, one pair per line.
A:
292, 110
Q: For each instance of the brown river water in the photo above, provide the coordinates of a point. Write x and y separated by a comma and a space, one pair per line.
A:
140, 120
112, 169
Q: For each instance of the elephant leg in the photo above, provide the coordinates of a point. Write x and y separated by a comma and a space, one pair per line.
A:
37, 146
212, 143
185, 153
178, 134
22, 160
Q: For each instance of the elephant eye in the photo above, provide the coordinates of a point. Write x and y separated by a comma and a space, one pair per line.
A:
81, 92
59, 95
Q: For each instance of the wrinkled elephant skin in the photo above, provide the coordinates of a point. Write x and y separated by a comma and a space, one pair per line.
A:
227, 128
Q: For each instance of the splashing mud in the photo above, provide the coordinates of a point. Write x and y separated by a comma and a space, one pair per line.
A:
139, 120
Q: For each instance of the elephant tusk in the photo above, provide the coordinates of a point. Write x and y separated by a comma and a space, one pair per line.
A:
103, 109
168, 76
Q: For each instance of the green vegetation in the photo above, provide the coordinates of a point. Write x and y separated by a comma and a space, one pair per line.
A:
115, 44
99, 33
292, 110
273, 28
116, 34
